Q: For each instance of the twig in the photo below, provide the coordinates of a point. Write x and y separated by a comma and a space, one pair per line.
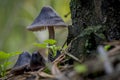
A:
75, 58
114, 51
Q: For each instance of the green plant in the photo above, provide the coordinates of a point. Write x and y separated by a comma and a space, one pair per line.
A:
4, 57
106, 47
49, 44
3, 68
80, 68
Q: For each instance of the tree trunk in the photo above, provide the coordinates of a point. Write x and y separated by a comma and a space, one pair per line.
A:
111, 13
87, 14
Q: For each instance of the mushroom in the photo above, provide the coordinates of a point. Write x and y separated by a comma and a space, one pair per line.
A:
47, 18
22, 63
37, 61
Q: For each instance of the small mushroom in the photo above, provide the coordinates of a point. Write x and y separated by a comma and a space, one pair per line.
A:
37, 61
47, 18
22, 63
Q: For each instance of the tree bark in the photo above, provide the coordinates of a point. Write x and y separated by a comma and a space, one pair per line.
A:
111, 14
84, 13
89, 14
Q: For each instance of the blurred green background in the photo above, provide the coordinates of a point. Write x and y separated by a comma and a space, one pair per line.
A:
16, 15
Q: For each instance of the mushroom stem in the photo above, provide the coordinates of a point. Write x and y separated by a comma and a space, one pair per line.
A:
51, 32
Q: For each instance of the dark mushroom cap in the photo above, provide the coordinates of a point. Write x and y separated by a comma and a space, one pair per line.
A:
22, 64
47, 17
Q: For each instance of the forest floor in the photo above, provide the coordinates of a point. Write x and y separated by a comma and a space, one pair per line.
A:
106, 66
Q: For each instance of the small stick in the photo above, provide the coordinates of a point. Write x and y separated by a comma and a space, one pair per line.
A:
66, 15
114, 51
75, 58
63, 45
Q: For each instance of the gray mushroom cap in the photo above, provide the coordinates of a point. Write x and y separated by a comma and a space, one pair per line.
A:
47, 17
